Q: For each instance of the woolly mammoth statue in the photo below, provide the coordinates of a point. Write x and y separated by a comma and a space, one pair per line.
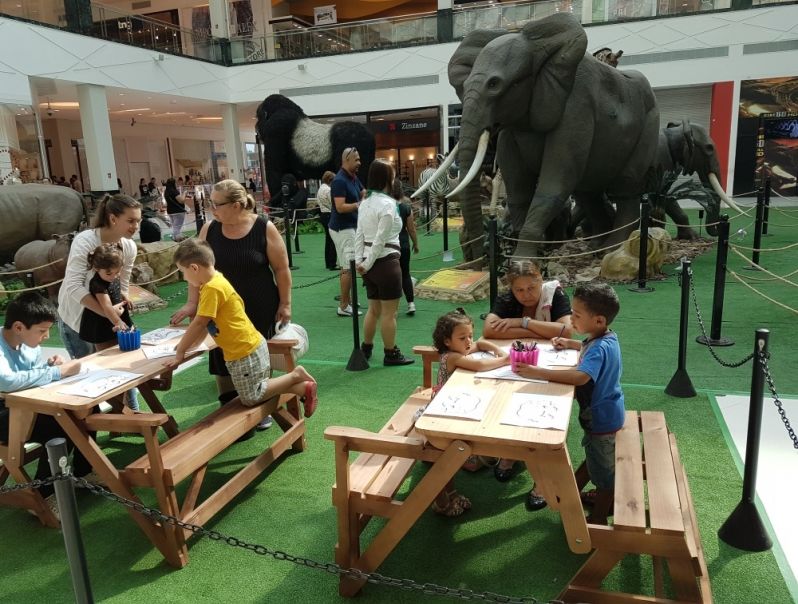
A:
295, 144
31, 212
688, 149
568, 124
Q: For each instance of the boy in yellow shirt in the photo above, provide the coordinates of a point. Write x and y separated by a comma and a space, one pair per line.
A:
220, 312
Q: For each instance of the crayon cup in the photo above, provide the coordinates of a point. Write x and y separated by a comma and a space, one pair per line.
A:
129, 340
513, 358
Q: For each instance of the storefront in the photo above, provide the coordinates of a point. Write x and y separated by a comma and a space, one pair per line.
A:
19, 144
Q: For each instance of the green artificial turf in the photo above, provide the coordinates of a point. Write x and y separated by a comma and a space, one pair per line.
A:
497, 546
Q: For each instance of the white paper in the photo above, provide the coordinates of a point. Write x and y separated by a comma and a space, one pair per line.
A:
481, 354
537, 411
98, 383
506, 373
161, 335
168, 350
85, 368
468, 404
551, 357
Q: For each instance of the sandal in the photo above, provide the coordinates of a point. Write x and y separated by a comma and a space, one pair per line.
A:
455, 505
310, 400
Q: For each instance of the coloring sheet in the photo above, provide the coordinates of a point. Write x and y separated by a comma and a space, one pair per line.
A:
551, 357
506, 373
481, 354
98, 383
168, 350
161, 335
85, 368
467, 404
536, 411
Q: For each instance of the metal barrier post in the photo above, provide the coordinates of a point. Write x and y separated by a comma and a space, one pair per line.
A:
428, 212
287, 227
70, 526
296, 234
744, 528
766, 216
715, 338
760, 216
493, 259
680, 384
447, 253
357, 360
645, 212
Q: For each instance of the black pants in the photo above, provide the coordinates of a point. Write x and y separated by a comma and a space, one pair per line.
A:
330, 255
407, 282
45, 428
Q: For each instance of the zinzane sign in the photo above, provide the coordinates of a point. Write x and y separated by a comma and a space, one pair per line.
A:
325, 15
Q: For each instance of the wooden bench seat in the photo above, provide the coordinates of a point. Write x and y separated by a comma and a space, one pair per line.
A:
367, 487
653, 515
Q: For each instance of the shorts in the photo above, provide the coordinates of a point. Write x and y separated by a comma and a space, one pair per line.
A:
344, 241
250, 375
600, 459
383, 281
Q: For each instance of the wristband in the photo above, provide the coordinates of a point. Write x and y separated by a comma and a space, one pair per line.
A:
525, 322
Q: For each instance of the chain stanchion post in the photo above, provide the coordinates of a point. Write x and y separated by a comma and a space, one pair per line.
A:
744, 528
700, 220
296, 234
493, 242
715, 339
427, 212
645, 214
70, 526
357, 360
287, 227
760, 216
680, 384
447, 253
766, 202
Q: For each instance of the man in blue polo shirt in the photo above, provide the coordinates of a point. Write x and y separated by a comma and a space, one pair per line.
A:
346, 191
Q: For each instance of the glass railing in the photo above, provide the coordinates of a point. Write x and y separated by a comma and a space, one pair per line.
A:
336, 39
508, 15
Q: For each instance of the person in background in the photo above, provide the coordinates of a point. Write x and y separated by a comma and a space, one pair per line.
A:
74, 183
406, 235
152, 187
176, 208
251, 254
377, 261
252, 186
119, 185
324, 199
143, 189
347, 191
28, 320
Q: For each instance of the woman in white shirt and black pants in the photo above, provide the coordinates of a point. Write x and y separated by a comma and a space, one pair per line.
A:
324, 199
377, 260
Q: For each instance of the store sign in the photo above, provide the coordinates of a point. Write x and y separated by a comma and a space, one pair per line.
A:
426, 124
325, 15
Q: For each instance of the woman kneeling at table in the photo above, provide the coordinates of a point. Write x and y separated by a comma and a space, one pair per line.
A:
531, 308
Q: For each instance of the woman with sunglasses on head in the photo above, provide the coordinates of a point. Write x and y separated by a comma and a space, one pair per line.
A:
251, 254
531, 308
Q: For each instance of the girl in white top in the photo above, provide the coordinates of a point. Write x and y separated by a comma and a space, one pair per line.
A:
117, 220
377, 260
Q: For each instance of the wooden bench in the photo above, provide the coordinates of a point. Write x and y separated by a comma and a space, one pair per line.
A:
25, 499
653, 515
367, 487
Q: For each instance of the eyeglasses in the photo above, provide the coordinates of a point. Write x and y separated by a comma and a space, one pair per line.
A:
212, 204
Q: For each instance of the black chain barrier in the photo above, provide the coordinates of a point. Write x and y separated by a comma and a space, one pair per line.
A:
733, 365
763, 360
430, 589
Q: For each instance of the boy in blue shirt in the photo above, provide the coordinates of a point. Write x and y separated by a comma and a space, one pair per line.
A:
597, 379
27, 324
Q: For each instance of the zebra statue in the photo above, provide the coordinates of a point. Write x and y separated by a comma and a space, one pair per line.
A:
438, 190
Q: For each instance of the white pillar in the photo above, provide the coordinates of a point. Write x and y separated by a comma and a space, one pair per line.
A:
220, 20
232, 143
587, 11
445, 128
97, 138
34, 95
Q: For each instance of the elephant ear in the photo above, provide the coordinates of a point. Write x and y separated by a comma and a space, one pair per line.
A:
463, 58
556, 45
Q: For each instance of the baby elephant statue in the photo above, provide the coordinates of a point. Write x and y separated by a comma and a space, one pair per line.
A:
48, 258
623, 264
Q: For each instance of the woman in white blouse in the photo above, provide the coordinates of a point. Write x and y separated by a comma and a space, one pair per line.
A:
377, 255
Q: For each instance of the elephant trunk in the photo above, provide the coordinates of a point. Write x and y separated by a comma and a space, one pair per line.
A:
713, 180
476, 163
470, 156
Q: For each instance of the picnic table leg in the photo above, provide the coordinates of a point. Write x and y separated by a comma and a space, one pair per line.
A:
555, 469
538, 474
114, 482
422, 496
156, 407
590, 576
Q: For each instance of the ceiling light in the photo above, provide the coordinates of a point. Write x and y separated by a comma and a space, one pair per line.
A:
61, 105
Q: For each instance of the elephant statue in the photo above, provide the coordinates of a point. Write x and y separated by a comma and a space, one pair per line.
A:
688, 149
31, 212
51, 256
568, 124
295, 144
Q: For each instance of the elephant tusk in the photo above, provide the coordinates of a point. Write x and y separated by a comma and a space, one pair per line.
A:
494, 194
482, 149
713, 180
448, 161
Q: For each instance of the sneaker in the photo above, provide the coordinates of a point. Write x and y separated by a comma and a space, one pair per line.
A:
265, 423
347, 312
394, 358
367, 350
411, 308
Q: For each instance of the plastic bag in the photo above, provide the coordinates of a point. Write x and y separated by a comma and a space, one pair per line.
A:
290, 331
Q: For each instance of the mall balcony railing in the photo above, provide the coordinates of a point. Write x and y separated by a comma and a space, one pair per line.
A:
97, 20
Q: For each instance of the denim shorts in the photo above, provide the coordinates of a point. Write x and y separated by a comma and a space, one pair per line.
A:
600, 459
76, 347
